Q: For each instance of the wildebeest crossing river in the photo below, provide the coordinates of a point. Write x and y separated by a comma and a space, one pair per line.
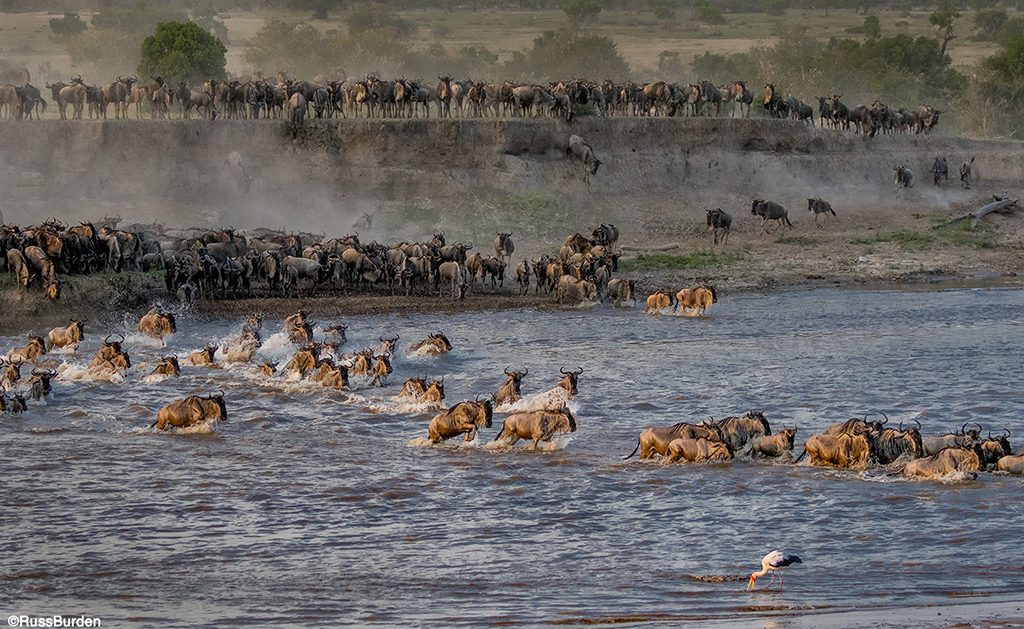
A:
311, 507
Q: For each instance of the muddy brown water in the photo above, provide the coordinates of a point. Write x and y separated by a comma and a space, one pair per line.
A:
314, 508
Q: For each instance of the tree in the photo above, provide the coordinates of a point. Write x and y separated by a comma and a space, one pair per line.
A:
1000, 86
664, 10
708, 13
139, 17
775, 7
872, 27
68, 26
943, 18
580, 11
181, 51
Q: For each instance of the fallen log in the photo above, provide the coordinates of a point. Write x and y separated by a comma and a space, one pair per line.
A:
1000, 205
641, 249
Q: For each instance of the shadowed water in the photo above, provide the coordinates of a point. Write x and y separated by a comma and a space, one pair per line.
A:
311, 507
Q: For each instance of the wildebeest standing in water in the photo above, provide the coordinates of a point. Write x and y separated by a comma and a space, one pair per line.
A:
719, 221
582, 151
191, 411
157, 324
536, 425
903, 179
820, 206
770, 211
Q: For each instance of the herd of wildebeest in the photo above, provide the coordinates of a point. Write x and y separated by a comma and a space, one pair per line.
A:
540, 418
228, 263
280, 96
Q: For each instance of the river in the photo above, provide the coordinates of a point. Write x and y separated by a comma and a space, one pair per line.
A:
315, 507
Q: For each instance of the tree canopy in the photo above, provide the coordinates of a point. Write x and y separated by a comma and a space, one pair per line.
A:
181, 51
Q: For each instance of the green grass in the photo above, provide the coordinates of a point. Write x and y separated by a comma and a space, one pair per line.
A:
804, 241
909, 239
959, 234
695, 260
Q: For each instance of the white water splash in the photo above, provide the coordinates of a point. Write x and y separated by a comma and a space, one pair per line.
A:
83, 373
552, 399
277, 348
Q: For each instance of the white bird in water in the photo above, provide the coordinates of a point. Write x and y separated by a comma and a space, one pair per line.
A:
773, 562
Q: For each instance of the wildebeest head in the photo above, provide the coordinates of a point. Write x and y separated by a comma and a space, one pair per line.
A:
218, 399
488, 410
515, 378
754, 205
440, 337
569, 380
437, 386
789, 436
438, 240
40, 384
974, 432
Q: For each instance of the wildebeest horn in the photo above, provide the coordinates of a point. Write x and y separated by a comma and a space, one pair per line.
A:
1007, 431
381, 337
106, 341
901, 427
562, 370
963, 429
917, 422
525, 371
507, 372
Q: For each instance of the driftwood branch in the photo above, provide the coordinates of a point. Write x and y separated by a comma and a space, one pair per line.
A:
642, 249
999, 205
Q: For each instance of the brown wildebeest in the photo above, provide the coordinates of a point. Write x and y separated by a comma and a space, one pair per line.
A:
944, 463
621, 290
192, 411
158, 324
10, 374
35, 348
267, 369
434, 344
842, 450
299, 328
463, 418
655, 439
72, 335
19, 267
111, 351
202, 357
537, 426
697, 451
510, 391
574, 291
381, 369
304, 361
658, 301
330, 375
583, 152
738, 431
1011, 464
698, 299
503, 246
168, 366
414, 387
569, 380
774, 446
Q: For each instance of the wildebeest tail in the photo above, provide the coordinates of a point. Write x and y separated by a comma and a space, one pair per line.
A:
786, 216
153, 425
635, 450
833, 211
802, 455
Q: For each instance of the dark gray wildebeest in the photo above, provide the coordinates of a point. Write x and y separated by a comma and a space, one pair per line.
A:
503, 246
294, 269
840, 113
903, 180
297, 106
606, 235
582, 151
966, 174
940, 170
719, 221
820, 206
770, 211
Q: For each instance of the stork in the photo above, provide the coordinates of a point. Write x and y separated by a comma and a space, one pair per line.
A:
773, 562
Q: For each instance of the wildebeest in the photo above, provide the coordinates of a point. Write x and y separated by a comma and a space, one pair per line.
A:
820, 206
697, 450
35, 348
69, 336
965, 437
1011, 464
10, 374
536, 425
267, 369
39, 384
463, 418
966, 174
737, 431
992, 449
903, 179
111, 352
509, 392
656, 439
574, 291
843, 450
583, 152
774, 446
940, 170
202, 357
569, 380
330, 375
158, 324
434, 344
891, 444
946, 462
770, 211
19, 267
606, 235
857, 426
698, 299
454, 275
192, 411
304, 361
719, 221
381, 369
523, 277
299, 328
621, 290
503, 246
658, 301
168, 366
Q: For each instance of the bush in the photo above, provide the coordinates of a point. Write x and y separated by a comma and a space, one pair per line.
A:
140, 18
775, 7
557, 55
872, 27
181, 51
68, 26
364, 20
101, 50
579, 11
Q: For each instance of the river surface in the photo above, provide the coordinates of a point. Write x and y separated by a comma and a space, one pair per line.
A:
318, 508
